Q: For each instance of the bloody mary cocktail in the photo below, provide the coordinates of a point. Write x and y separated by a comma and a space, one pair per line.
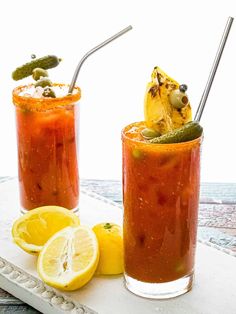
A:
160, 194
47, 138
161, 179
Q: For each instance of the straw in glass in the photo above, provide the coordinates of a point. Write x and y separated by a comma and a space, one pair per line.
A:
211, 77
90, 52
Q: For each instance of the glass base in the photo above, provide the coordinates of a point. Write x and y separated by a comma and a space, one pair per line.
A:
160, 291
24, 211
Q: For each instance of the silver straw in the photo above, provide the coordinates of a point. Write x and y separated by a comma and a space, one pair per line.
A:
211, 77
104, 43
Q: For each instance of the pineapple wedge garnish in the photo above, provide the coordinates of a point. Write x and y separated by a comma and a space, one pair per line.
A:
159, 112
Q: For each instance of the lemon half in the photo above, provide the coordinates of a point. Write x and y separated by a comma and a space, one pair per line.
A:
32, 230
69, 258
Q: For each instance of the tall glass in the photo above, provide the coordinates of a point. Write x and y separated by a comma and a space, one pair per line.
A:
47, 138
161, 195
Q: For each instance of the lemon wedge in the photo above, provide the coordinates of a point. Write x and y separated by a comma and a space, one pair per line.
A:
110, 241
159, 112
69, 258
32, 230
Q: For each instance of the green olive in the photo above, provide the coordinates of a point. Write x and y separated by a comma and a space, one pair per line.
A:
38, 73
49, 92
43, 82
178, 99
148, 133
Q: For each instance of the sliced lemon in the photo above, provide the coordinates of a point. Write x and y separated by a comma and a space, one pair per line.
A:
32, 230
159, 112
110, 241
69, 258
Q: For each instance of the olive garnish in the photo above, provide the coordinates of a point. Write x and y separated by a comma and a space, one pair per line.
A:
178, 97
43, 82
148, 133
38, 73
183, 88
49, 92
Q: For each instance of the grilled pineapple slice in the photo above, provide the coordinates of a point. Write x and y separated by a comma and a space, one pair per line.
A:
160, 112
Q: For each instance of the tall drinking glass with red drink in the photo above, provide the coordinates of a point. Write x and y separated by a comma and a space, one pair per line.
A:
161, 180
47, 138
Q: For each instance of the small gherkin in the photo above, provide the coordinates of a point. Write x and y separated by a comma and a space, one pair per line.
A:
45, 63
188, 132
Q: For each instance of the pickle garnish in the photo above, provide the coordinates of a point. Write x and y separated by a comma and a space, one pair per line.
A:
190, 131
45, 63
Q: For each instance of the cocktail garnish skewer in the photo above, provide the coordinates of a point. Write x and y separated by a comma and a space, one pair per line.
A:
90, 52
211, 77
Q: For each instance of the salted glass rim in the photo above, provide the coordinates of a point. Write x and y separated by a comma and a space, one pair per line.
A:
157, 145
42, 104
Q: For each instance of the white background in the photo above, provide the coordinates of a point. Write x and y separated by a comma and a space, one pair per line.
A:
180, 36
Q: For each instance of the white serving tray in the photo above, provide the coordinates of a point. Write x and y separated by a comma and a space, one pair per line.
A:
214, 291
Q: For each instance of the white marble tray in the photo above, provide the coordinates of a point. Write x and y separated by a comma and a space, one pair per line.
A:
214, 291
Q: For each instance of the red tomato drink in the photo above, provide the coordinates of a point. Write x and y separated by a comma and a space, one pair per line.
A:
161, 195
47, 137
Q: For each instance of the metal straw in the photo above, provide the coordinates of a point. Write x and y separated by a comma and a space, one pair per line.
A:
104, 43
211, 77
